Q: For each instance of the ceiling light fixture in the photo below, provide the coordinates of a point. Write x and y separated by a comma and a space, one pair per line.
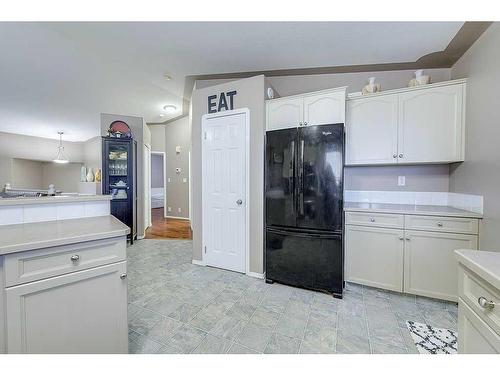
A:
167, 77
60, 152
169, 108
162, 115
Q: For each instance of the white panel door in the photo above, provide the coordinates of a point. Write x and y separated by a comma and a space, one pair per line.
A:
325, 108
224, 191
374, 256
284, 113
431, 125
430, 266
372, 130
82, 312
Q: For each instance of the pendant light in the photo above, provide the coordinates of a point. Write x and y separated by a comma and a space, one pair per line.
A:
60, 152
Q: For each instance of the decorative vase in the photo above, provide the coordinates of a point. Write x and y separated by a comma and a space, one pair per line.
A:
97, 176
90, 175
420, 79
371, 87
83, 174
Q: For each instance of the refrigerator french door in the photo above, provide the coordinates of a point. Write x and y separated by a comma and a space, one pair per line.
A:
304, 190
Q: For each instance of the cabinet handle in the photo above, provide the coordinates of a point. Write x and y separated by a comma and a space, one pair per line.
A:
401, 238
301, 124
305, 123
400, 155
407, 238
123, 276
394, 156
439, 224
372, 219
75, 258
485, 304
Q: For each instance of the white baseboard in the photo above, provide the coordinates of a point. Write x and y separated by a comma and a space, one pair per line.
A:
176, 217
140, 237
256, 275
198, 262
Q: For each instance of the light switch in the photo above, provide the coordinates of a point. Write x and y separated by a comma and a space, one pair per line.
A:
177, 149
401, 180
169, 209
169, 180
184, 180
179, 210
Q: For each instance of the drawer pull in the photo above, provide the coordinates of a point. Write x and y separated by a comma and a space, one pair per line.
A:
75, 258
372, 219
485, 304
439, 224
123, 276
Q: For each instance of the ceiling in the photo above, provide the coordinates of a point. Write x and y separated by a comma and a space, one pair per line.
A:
61, 76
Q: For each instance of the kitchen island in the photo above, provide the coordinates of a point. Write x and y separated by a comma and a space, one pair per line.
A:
63, 286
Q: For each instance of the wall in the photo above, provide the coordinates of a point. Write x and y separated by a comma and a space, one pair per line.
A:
27, 174
479, 174
157, 137
65, 177
137, 126
178, 133
250, 95
157, 171
92, 153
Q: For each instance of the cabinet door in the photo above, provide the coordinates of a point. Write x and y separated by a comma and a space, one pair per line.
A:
374, 257
431, 125
324, 109
284, 113
430, 266
372, 130
474, 335
82, 312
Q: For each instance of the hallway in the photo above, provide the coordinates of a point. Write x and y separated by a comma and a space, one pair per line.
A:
163, 228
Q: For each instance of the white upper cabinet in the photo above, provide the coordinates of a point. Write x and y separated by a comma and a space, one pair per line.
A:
325, 108
318, 108
430, 125
372, 130
407, 126
284, 113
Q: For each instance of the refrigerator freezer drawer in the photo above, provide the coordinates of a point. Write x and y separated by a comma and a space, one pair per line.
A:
307, 260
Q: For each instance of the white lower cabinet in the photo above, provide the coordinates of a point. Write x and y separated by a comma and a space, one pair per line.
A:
474, 335
430, 267
395, 257
374, 257
80, 312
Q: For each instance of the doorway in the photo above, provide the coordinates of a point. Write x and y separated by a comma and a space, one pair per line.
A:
225, 191
163, 226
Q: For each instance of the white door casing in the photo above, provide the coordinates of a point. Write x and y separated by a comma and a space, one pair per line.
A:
225, 192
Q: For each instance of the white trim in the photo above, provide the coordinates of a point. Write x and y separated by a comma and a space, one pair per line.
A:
310, 93
141, 237
238, 111
176, 217
164, 154
198, 262
256, 275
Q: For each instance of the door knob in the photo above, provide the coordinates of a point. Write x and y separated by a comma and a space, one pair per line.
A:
239, 202
123, 276
75, 258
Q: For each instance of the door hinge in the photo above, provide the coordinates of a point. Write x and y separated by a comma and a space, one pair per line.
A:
205, 249
205, 136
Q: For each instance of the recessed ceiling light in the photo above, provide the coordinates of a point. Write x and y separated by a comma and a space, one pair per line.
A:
162, 115
169, 108
168, 77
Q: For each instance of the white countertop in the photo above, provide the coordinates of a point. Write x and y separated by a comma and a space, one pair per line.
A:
31, 236
485, 264
56, 199
408, 209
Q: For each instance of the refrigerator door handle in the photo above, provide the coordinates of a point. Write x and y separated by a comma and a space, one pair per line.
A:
301, 178
293, 162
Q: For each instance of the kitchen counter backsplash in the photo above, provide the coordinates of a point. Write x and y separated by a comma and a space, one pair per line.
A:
466, 202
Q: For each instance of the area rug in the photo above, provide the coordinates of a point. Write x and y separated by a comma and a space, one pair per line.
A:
432, 340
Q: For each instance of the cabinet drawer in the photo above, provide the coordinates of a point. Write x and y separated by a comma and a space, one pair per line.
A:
39, 264
471, 288
442, 224
374, 219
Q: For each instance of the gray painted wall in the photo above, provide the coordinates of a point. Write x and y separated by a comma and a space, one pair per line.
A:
178, 133
157, 171
250, 95
480, 173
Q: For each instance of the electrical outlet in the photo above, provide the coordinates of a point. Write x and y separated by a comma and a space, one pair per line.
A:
169, 209
179, 210
401, 180
184, 180
169, 179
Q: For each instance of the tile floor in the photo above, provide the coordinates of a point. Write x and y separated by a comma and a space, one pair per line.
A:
177, 307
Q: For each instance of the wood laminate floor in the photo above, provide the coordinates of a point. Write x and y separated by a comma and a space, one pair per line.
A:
167, 228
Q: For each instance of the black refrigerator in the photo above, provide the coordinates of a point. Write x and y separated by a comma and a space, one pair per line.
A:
304, 207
